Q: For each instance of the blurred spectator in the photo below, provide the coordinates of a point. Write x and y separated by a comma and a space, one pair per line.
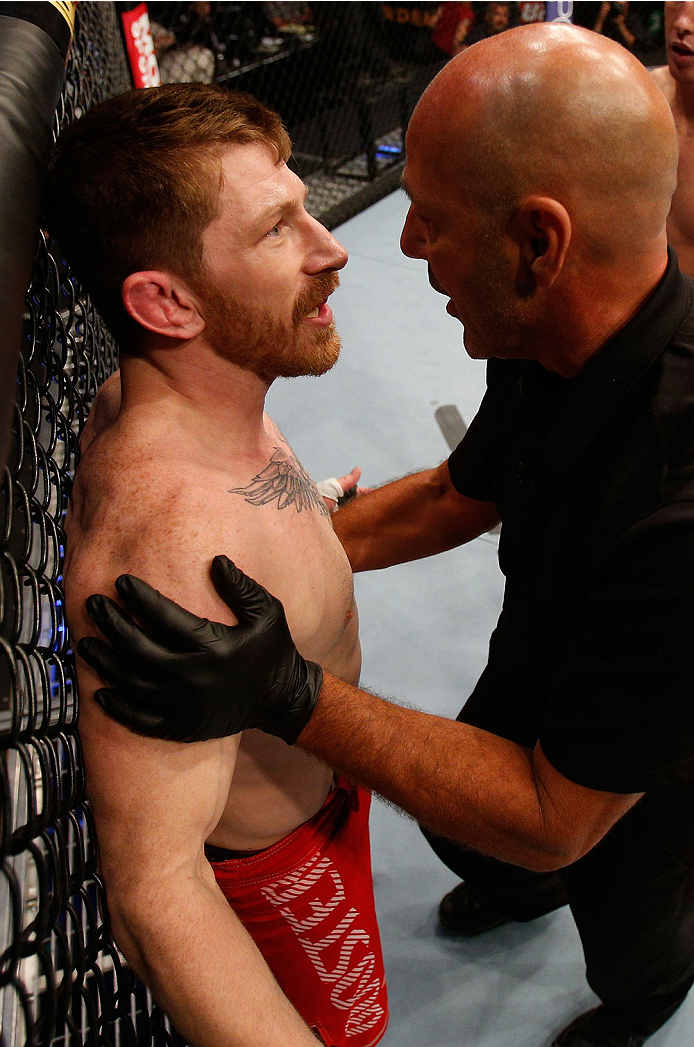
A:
653, 50
187, 54
528, 11
497, 17
288, 15
620, 23
452, 26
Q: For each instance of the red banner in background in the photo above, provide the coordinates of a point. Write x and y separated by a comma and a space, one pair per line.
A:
140, 47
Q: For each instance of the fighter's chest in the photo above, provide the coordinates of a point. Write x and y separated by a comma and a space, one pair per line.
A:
290, 547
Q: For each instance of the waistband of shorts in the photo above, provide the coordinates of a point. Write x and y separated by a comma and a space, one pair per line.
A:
344, 794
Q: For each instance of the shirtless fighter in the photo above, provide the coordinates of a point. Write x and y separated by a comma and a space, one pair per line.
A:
676, 81
177, 208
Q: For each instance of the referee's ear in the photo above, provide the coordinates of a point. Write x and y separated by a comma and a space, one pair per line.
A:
541, 227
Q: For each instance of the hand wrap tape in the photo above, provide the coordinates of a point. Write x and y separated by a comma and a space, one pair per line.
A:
331, 488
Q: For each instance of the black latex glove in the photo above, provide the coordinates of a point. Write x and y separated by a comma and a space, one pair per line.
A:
188, 679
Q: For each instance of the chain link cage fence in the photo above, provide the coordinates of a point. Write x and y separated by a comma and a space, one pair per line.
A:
345, 78
62, 979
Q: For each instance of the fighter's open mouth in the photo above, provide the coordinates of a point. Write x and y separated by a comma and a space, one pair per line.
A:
680, 49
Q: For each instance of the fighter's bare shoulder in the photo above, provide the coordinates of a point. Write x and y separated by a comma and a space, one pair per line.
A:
158, 517
157, 507
665, 81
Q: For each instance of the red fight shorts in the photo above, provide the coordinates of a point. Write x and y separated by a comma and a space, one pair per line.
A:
308, 904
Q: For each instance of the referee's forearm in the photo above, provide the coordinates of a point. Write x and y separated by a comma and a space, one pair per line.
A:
463, 783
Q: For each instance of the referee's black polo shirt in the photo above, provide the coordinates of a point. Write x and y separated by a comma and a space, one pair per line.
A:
593, 477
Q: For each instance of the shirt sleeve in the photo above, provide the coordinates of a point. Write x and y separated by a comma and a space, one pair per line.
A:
475, 464
621, 716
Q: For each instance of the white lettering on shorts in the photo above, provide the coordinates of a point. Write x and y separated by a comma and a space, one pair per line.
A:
338, 948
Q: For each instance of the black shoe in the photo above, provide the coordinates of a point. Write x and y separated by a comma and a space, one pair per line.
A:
590, 1030
461, 913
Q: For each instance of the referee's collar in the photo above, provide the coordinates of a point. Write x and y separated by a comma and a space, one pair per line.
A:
592, 397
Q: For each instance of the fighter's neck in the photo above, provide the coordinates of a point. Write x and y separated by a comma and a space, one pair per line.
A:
203, 395
684, 101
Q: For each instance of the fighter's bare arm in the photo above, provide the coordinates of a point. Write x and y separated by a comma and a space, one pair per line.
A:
410, 518
155, 803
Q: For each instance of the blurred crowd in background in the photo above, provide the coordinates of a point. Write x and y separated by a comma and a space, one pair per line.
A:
207, 40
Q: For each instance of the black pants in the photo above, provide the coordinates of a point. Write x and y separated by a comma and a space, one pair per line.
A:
632, 898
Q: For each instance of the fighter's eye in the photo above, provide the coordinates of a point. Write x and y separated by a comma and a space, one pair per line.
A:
275, 231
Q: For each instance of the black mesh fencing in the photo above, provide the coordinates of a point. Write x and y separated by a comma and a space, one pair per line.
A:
62, 980
345, 77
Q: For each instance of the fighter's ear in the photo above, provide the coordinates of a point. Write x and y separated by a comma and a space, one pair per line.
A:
542, 229
162, 303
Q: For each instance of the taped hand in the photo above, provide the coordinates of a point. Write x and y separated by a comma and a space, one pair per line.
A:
188, 679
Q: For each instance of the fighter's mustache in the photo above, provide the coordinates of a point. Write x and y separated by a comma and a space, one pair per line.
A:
321, 287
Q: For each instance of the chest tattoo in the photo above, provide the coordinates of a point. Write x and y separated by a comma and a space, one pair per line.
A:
285, 481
